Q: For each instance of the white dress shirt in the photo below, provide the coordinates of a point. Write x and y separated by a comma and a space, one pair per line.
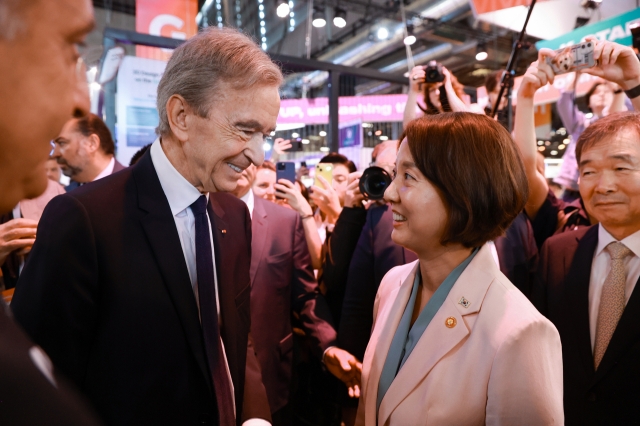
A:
602, 266
107, 170
180, 195
249, 200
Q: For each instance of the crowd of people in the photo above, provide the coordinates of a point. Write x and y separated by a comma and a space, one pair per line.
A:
193, 287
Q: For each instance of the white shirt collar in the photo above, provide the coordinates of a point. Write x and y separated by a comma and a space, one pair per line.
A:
249, 200
605, 238
180, 193
107, 170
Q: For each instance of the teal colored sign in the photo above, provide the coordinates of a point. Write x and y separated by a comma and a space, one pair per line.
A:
615, 29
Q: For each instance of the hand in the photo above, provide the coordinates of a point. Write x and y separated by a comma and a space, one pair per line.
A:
353, 197
345, 367
616, 63
17, 234
416, 79
537, 76
327, 200
447, 76
293, 196
281, 145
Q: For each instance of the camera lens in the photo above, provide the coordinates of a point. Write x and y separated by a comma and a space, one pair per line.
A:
374, 182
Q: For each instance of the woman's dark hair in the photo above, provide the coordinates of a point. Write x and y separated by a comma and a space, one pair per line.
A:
492, 80
590, 93
444, 100
93, 125
477, 168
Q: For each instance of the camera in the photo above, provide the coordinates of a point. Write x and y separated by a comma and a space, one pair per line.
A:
374, 182
433, 72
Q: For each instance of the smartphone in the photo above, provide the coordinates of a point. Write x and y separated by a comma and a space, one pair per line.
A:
286, 170
573, 58
326, 171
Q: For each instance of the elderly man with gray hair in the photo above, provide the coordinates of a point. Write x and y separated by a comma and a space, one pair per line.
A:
150, 314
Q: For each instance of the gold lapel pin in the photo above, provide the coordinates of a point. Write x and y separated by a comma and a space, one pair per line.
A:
464, 302
224, 231
450, 322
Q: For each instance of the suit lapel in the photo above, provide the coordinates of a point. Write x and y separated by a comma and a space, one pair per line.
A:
389, 316
259, 235
576, 298
626, 334
160, 229
438, 339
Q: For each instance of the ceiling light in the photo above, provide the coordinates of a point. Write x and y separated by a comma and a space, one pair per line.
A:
283, 8
554, 152
541, 148
382, 33
266, 147
305, 141
295, 135
340, 18
378, 132
562, 146
384, 138
318, 19
410, 38
324, 148
481, 52
322, 133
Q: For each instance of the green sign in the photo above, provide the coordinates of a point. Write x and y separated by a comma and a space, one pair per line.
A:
613, 29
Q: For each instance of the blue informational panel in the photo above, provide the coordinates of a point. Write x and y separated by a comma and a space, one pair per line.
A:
351, 136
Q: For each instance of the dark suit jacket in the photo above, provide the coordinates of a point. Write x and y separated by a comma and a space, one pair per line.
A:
282, 280
340, 245
106, 292
27, 398
610, 395
73, 184
374, 256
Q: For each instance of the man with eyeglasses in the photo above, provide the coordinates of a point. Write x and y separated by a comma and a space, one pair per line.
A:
40, 91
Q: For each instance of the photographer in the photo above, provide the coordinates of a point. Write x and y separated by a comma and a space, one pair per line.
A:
435, 100
548, 215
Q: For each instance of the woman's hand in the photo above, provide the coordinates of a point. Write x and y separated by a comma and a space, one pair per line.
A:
345, 367
287, 190
416, 79
537, 76
281, 145
616, 63
327, 200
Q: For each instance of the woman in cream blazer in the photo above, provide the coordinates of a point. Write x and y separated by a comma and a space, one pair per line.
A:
453, 341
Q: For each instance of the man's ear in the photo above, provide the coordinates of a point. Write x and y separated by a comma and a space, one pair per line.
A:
92, 143
177, 112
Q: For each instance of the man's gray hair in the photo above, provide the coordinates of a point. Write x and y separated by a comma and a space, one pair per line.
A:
214, 55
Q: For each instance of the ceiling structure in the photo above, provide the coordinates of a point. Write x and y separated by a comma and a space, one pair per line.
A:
446, 31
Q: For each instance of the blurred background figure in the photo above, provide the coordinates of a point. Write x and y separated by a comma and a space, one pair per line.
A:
85, 151
264, 181
54, 172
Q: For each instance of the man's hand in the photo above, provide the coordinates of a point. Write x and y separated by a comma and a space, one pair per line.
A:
17, 234
281, 145
327, 200
616, 63
345, 367
353, 197
537, 76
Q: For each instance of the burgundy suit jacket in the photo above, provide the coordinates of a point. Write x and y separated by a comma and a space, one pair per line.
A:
610, 394
283, 282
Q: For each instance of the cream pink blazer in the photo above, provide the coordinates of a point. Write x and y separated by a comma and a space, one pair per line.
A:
500, 364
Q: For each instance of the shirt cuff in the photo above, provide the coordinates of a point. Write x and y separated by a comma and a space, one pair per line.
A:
325, 352
256, 422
